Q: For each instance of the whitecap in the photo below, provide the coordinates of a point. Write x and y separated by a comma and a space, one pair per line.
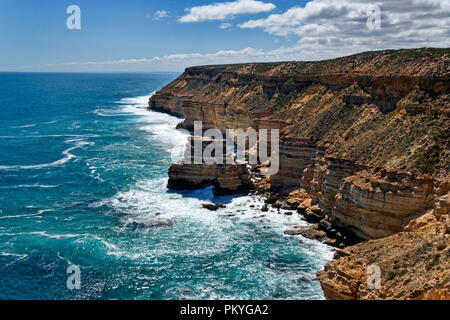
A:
20, 216
51, 122
42, 234
134, 105
141, 100
160, 126
32, 125
25, 126
54, 236
52, 136
101, 112
16, 256
7, 254
67, 158
29, 186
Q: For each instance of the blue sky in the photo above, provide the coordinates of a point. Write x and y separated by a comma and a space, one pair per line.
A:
138, 35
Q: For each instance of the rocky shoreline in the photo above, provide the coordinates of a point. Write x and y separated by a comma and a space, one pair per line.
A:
363, 156
320, 229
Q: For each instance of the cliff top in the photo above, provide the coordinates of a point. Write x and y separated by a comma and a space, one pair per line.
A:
406, 62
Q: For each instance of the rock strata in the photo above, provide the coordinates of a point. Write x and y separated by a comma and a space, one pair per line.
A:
414, 264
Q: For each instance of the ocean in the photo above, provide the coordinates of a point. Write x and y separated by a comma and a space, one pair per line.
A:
83, 175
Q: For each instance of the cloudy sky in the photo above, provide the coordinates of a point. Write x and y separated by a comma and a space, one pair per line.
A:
147, 35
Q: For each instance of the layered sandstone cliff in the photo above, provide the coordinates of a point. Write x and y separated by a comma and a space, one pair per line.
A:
366, 136
339, 119
414, 264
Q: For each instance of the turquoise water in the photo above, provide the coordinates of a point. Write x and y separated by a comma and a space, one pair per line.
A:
83, 174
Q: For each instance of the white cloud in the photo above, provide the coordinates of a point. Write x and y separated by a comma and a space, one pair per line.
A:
328, 25
323, 29
225, 25
160, 14
177, 62
225, 10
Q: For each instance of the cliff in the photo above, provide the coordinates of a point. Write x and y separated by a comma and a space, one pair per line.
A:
414, 264
365, 136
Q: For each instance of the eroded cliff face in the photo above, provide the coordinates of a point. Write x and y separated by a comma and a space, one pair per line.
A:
376, 205
365, 135
413, 264
372, 202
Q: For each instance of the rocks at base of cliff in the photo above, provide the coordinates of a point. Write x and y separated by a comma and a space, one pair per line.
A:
312, 232
152, 224
321, 229
325, 233
212, 206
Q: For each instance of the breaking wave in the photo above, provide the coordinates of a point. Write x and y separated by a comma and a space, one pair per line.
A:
67, 157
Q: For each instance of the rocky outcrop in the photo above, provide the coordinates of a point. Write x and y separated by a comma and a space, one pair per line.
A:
212, 206
225, 177
413, 264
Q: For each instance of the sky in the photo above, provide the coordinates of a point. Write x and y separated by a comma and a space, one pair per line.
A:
154, 36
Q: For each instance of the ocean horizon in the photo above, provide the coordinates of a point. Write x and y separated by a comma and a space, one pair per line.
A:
83, 181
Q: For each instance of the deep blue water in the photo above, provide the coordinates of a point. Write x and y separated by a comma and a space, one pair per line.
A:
83, 173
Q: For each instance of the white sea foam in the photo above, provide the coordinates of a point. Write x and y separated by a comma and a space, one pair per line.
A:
160, 126
42, 234
29, 186
142, 100
163, 130
6, 254
67, 157
148, 205
85, 136
25, 126
32, 125
20, 216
